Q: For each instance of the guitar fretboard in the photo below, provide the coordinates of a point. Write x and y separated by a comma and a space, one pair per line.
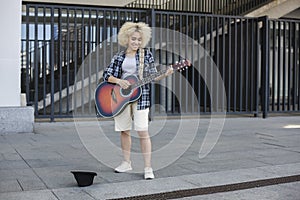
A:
148, 79
152, 77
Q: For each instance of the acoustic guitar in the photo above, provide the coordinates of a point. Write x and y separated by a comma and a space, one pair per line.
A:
111, 99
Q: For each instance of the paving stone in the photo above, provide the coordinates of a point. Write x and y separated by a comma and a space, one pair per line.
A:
31, 184
14, 174
13, 164
9, 186
72, 194
29, 195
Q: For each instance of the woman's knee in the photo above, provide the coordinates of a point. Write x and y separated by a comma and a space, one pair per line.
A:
143, 134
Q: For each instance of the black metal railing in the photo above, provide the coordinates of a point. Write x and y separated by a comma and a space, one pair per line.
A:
63, 49
223, 7
284, 66
240, 65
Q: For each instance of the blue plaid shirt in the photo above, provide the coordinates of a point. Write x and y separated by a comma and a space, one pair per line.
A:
115, 69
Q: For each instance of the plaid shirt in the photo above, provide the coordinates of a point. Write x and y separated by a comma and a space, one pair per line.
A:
115, 69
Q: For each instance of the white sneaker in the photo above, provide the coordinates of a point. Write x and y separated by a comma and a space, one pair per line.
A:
123, 167
148, 173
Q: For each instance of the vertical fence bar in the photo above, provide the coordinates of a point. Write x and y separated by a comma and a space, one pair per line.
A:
153, 25
187, 95
257, 62
180, 78
235, 43
209, 65
83, 64
294, 67
252, 66
265, 66
36, 61
44, 56
279, 67
192, 59
159, 40
289, 67
229, 65
67, 62
248, 39
217, 61
59, 60
199, 62
241, 67
205, 66
224, 96
284, 68
52, 62
297, 66
273, 64
166, 104
74, 103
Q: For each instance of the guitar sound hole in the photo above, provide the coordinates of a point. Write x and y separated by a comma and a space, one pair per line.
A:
126, 92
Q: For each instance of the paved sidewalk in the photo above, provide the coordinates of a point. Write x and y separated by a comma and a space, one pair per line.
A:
37, 165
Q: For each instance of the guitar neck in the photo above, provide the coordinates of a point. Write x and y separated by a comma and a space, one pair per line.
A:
178, 66
149, 79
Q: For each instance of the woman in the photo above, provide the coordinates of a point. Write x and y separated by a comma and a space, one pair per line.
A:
134, 37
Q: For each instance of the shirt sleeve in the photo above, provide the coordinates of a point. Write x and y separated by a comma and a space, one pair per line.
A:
112, 69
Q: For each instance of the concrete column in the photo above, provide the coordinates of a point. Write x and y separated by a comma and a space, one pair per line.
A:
13, 117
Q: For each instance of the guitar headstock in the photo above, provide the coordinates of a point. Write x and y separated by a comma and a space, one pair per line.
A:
181, 65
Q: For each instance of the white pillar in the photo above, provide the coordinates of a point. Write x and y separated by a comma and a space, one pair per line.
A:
10, 40
14, 118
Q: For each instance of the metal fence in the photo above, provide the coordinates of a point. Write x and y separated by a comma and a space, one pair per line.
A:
240, 65
284, 70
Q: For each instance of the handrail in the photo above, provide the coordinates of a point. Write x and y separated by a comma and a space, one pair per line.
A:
228, 7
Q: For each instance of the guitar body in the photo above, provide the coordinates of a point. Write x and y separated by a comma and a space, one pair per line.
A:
111, 99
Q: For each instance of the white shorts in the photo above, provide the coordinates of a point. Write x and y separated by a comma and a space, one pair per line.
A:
123, 121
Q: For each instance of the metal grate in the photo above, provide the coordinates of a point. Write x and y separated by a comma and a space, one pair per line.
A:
215, 189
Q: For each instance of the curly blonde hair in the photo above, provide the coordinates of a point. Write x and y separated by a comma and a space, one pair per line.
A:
128, 28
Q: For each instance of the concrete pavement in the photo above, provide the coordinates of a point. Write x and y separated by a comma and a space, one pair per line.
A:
244, 151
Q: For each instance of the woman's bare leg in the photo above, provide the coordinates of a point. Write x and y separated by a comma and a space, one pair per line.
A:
126, 144
146, 148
